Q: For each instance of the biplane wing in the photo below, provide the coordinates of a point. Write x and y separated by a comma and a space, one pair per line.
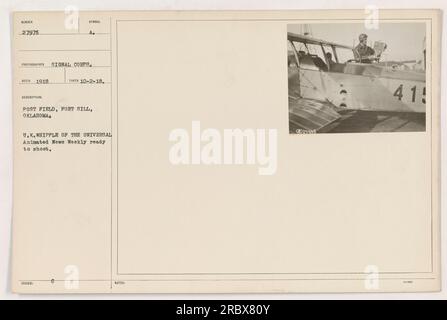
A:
309, 40
310, 115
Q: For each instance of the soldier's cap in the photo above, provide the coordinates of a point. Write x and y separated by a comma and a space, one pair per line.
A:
363, 36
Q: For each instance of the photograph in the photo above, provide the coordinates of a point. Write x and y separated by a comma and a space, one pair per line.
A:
148, 154
346, 78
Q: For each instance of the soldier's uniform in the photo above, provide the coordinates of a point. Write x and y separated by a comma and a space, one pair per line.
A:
362, 52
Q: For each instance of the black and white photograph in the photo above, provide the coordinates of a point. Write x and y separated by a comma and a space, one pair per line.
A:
353, 77
150, 152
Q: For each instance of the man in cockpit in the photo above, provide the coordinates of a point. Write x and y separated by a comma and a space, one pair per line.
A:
362, 52
329, 60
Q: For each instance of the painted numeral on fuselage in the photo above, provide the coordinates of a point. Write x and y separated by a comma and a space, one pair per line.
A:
399, 93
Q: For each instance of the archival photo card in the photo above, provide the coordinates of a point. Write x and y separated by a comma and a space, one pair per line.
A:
174, 152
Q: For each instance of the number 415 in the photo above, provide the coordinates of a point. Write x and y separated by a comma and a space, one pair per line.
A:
399, 93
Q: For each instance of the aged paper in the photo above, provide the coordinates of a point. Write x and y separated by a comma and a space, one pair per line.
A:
293, 151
